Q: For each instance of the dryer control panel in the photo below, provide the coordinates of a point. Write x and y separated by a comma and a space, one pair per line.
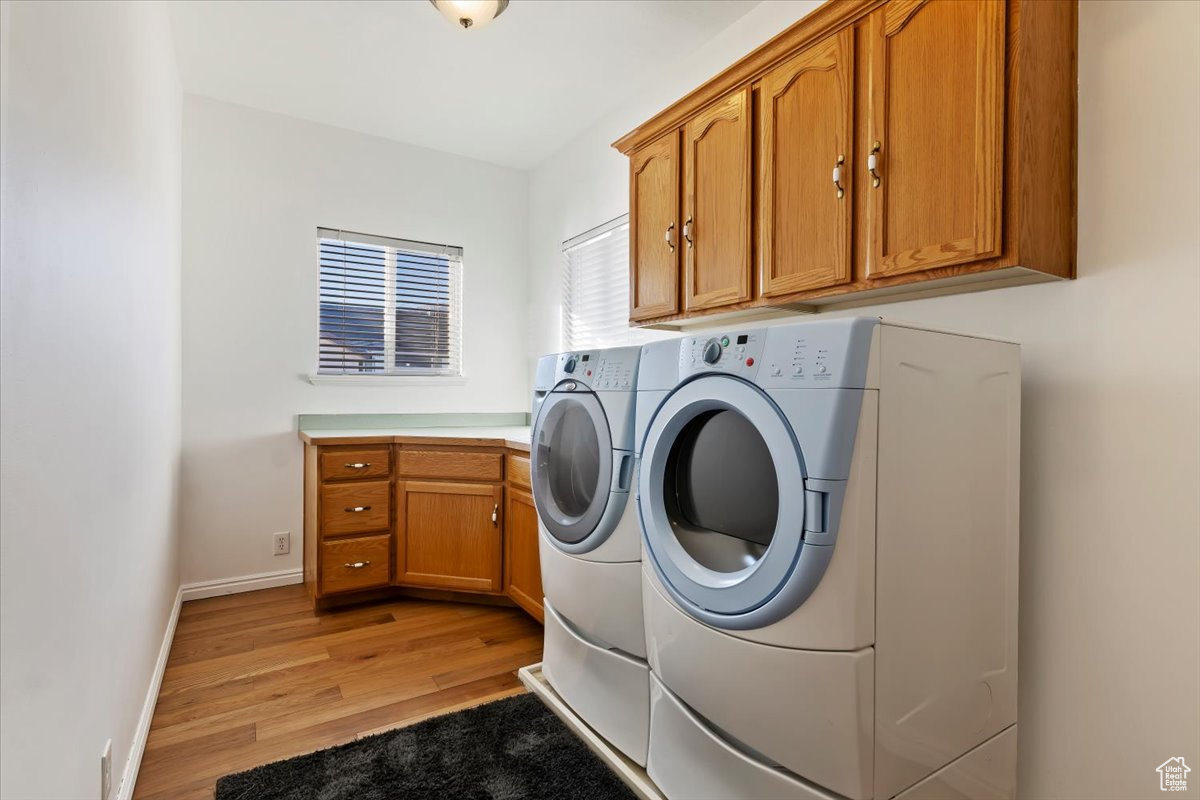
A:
805, 355
737, 353
611, 369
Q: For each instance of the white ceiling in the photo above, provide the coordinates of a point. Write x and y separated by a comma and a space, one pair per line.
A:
511, 93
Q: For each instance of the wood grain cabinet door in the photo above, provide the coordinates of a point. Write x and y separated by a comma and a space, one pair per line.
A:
654, 234
449, 535
522, 564
936, 131
716, 227
805, 167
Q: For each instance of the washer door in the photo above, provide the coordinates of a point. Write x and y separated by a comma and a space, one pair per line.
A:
721, 497
571, 462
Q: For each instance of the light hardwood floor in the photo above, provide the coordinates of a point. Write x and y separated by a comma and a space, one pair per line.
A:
256, 677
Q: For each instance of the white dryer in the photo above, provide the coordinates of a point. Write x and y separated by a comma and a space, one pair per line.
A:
582, 469
829, 513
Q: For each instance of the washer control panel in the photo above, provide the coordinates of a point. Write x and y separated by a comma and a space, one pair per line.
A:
612, 369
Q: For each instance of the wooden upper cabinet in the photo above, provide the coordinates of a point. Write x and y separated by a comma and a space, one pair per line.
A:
806, 169
936, 130
716, 229
654, 234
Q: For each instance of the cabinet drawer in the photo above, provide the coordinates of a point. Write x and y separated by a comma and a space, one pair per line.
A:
356, 507
452, 464
518, 471
358, 563
369, 462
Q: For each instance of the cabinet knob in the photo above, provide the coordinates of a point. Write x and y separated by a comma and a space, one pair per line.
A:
357, 565
496, 514
357, 465
357, 509
687, 231
873, 163
670, 236
837, 176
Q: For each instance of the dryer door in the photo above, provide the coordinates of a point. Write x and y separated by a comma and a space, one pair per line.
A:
722, 503
571, 465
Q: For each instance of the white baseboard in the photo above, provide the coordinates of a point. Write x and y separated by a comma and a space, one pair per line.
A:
129, 774
243, 583
188, 591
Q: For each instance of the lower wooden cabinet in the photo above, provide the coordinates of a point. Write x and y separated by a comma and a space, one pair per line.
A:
455, 518
449, 535
522, 567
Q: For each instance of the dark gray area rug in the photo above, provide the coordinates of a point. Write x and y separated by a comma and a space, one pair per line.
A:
511, 749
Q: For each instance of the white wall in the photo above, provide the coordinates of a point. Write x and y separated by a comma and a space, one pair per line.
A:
1110, 559
89, 383
256, 186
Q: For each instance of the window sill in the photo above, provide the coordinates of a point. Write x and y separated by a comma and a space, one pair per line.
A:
387, 380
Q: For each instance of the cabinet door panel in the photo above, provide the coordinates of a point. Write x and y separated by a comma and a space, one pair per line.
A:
654, 229
448, 535
936, 112
522, 565
717, 212
806, 133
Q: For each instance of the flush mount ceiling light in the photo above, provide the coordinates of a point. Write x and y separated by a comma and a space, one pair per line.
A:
470, 13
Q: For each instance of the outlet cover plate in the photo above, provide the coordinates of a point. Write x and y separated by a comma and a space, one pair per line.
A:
281, 543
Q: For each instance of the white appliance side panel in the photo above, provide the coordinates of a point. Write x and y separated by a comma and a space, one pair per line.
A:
946, 550
602, 600
646, 404
810, 711
618, 410
840, 613
687, 761
608, 690
989, 772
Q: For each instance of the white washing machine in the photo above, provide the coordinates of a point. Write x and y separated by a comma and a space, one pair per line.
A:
582, 469
829, 513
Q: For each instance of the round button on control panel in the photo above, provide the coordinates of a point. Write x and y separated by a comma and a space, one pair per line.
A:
712, 351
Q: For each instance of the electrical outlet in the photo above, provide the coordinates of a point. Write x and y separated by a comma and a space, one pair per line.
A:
106, 771
282, 543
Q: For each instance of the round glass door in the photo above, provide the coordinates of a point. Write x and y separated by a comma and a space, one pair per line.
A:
723, 516
571, 464
721, 491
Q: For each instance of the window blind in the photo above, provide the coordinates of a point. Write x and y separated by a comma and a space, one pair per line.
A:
388, 306
596, 289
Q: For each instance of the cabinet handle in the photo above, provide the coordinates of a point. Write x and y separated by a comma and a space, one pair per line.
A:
872, 163
671, 236
357, 565
359, 465
837, 176
496, 514
357, 509
687, 231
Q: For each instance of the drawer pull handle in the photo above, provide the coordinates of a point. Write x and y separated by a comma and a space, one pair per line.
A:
671, 236
687, 232
837, 176
357, 509
873, 163
357, 565
358, 465
495, 513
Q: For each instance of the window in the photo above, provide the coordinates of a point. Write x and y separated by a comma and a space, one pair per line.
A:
389, 306
596, 289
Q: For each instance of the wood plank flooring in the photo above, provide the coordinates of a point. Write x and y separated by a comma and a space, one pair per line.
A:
256, 677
